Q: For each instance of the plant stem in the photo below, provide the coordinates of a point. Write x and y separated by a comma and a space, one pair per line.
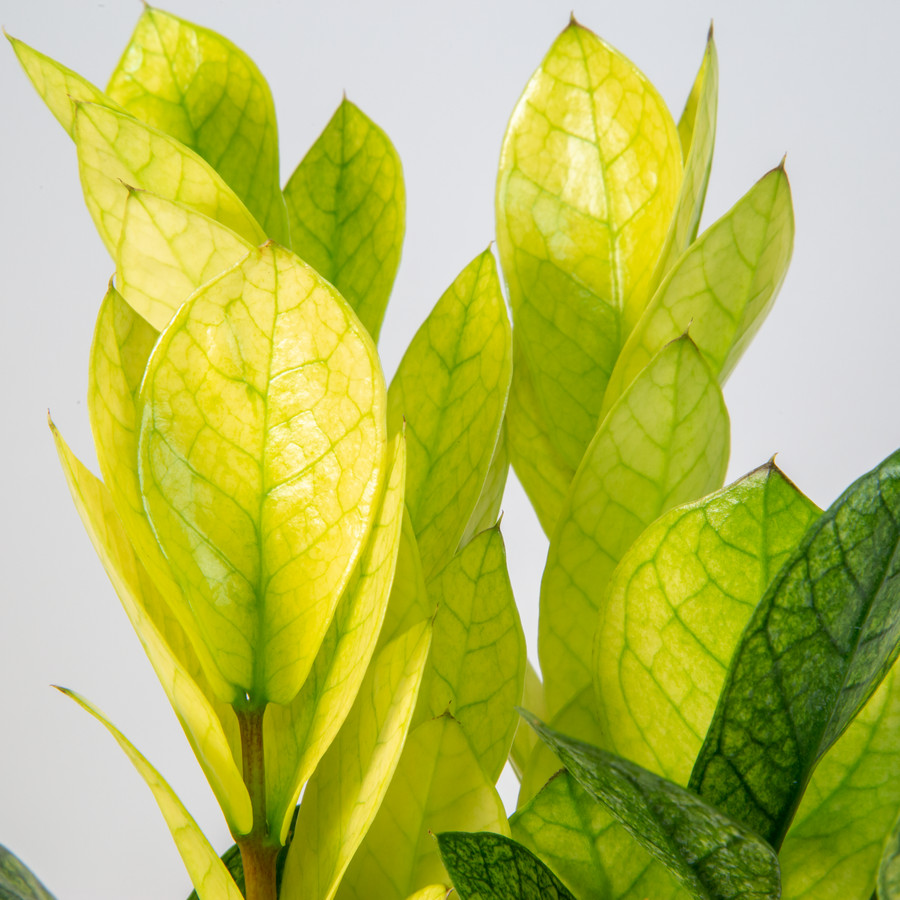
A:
259, 850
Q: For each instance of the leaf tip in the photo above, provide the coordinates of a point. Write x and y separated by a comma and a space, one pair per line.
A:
709, 34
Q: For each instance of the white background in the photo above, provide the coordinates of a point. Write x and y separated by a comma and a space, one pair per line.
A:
819, 384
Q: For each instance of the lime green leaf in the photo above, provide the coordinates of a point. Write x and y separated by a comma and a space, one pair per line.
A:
60, 88
17, 881
343, 797
196, 86
438, 786
347, 207
166, 251
817, 646
432, 892
889, 870
115, 151
451, 388
207, 872
722, 288
589, 175
666, 442
487, 510
714, 857
477, 669
200, 715
525, 740
833, 849
262, 450
494, 867
675, 610
298, 734
543, 473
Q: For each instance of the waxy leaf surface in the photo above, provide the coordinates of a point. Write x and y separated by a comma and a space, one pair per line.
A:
493, 867
262, 453
438, 786
17, 881
589, 176
525, 740
722, 288
666, 442
347, 207
343, 797
487, 510
477, 667
816, 648
451, 389
714, 857
675, 610
208, 874
196, 86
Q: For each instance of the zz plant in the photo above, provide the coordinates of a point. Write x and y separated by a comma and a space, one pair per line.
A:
313, 561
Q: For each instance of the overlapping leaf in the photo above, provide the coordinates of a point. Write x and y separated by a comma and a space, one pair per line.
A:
17, 881
889, 870
487, 510
525, 739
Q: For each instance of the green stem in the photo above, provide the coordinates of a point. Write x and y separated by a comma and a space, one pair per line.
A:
259, 849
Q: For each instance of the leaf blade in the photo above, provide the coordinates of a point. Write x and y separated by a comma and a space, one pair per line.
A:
17, 881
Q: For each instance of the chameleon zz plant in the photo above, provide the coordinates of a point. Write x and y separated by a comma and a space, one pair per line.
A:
313, 562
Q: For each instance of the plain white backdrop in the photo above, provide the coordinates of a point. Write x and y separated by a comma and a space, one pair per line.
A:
819, 385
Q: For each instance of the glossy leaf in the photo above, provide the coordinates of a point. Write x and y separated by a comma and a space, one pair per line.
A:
17, 881
451, 389
666, 442
713, 856
722, 288
343, 797
347, 207
438, 786
833, 849
477, 667
200, 715
116, 151
493, 867
889, 870
816, 648
208, 874
262, 451
487, 510
196, 86
298, 734
166, 251
525, 739
675, 610
589, 175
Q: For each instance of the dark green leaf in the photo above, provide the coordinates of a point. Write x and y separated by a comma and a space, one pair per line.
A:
818, 645
17, 881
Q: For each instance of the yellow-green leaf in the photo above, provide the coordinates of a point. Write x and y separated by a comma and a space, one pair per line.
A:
200, 715
262, 451
296, 735
722, 288
208, 874
116, 151
347, 207
477, 668
346, 791
196, 86
487, 510
526, 740
664, 443
438, 786
166, 251
451, 389
589, 175
432, 892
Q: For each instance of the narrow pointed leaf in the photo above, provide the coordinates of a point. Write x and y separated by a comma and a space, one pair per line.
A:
493, 867
889, 870
666, 442
208, 874
675, 610
17, 881
477, 667
438, 786
262, 453
589, 175
200, 715
525, 739
343, 797
347, 207
166, 251
196, 86
713, 856
487, 510
722, 288
816, 648
451, 389
116, 151
298, 734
